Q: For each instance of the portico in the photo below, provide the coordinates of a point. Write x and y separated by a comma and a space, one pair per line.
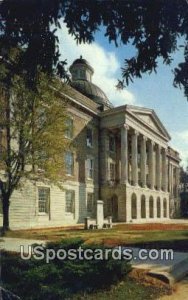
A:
142, 187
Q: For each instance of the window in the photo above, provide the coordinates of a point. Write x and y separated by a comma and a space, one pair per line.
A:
43, 200
69, 128
143, 207
82, 74
134, 206
69, 162
158, 207
90, 202
90, 170
70, 201
111, 143
151, 207
89, 137
112, 171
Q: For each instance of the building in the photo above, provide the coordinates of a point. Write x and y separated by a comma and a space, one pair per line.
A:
183, 191
118, 154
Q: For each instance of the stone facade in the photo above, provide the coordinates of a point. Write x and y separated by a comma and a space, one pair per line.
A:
119, 155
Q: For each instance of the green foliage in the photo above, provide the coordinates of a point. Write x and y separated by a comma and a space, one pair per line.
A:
35, 121
154, 28
60, 278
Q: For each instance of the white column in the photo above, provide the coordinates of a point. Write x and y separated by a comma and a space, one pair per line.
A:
134, 158
154, 207
151, 164
143, 161
158, 167
124, 154
104, 156
138, 208
168, 208
177, 181
172, 180
164, 170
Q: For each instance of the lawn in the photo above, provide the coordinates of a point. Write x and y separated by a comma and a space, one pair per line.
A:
173, 236
128, 289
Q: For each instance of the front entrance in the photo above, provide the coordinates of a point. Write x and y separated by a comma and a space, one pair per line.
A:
113, 203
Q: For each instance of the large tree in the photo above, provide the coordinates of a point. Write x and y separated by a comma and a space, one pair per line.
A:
157, 28
32, 133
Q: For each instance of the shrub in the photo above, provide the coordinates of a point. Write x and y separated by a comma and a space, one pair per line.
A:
35, 280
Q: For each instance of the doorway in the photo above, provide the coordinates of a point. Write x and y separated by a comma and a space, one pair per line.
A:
114, 208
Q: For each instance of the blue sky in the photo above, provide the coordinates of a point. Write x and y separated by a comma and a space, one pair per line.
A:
153, 91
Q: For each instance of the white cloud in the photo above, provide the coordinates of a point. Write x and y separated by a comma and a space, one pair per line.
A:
105, 64
180, 142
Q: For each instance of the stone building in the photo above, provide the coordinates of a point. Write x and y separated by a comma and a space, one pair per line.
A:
118, 154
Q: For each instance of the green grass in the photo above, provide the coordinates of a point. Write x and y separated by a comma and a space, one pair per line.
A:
128, 289
119, 235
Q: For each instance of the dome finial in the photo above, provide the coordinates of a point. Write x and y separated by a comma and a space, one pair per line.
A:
80, 56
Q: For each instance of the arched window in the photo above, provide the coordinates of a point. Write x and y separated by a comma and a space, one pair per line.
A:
165, 208
158, 207
151, 213
143, 206
133, 206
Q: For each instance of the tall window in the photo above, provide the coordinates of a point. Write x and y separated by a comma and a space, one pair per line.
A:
90, 202
69, 128
111, 143
158, 207
43, 200
151, 207
133, 206
90, 168
143, 207
70, 201
69, 162
89, 137
112, 171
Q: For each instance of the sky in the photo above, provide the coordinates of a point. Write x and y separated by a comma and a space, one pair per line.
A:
154, 91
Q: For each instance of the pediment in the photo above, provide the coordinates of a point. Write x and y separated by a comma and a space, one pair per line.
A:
150, 119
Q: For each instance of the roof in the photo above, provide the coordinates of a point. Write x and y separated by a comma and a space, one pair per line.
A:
73, 94
92, 91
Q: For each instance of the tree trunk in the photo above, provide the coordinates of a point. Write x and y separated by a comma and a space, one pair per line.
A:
6, 204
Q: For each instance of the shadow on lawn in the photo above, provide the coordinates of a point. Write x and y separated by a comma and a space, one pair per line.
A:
177, 245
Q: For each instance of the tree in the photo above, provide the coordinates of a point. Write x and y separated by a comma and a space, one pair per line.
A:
153, 27
184, 178
33, 130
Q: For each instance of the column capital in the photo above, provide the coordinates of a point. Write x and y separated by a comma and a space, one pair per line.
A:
125, 126
152, 143
135, 132
144, 138
164, 150
158, 146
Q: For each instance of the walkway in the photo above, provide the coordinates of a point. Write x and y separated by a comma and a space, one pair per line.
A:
13, 244
180, 291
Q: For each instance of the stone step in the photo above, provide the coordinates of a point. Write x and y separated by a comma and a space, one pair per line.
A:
171, 274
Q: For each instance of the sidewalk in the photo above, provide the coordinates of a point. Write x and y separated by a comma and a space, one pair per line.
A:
13, 244
180, 291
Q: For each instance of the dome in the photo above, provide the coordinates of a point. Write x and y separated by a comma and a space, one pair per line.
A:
82, 73
82, 61
92, 91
